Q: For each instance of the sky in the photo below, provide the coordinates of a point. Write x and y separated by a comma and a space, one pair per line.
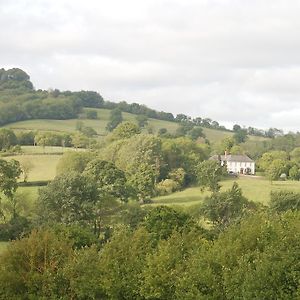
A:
234, 61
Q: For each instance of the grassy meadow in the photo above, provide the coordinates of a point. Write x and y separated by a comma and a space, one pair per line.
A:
3, 246
43, 166
100, 124
256, 189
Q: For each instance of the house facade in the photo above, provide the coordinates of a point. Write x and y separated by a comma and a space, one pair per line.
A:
240, 164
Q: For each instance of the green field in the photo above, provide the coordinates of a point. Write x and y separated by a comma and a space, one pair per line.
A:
47, 149
100, 124
3, 246
43, 166
254, 188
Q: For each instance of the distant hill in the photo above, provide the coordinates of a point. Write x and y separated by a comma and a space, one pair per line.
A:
99, 125
23, 107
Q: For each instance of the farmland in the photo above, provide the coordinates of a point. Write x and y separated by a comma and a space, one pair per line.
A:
257, 189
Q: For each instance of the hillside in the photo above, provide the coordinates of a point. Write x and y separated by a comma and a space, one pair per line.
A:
99, 125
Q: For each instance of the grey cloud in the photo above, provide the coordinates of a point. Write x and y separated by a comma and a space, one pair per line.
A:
233, 61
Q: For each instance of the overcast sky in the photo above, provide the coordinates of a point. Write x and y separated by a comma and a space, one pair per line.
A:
235, 61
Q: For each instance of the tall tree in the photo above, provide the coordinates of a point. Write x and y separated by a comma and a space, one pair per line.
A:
115, 119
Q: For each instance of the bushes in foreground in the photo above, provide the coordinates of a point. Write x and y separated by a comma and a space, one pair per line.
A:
255, 259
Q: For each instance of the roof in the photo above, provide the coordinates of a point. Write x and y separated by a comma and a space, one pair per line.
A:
234, 158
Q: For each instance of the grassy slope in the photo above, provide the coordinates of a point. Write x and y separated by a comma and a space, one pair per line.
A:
255, 189
44, 166
100, 124
3, 246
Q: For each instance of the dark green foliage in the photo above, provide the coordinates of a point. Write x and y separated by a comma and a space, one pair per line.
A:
225, 207
115, 119
209, 174
133, 215
125, 130
182, 153
32, 268
240, 136
122, 261
162, 221
88, 131
74, 162
53, 139
257, 258
7, 139
196, 133
84, 275
80, 236
67, 199
91, 114
10, 171
142, 120
89, 99
14, 228
25, 138
108, 179
285, 200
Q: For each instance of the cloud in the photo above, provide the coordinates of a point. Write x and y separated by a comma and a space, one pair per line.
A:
233, 61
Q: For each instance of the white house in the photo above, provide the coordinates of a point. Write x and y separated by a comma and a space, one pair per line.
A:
240, 164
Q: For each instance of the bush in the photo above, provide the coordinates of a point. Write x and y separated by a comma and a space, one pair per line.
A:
91, 114
166, 187
285, 200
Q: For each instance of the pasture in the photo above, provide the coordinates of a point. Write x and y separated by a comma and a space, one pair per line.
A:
98, 124
256, 189
3, 246
43, 167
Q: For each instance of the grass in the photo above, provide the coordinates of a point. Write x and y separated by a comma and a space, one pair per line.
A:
47, 149
43, 166
100, 124
256, 189
3, 246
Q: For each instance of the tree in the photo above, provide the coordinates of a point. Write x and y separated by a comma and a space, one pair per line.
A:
268, 157
226, 144
92, 114
109, 180
295, 154
161, 221
74, 162
275, 169
182, 153
7, 139
142, 120
196, 133
26, 165
10, 171
236, 127
240, 136
284, 200
115, 119
223, 208
294, 172
79, 140
125, 130
209, 173
34, 266
67, 199
88, 131
122, 262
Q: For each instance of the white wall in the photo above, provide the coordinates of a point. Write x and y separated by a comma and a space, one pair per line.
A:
236, 166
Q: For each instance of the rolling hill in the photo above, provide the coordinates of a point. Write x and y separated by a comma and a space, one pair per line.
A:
99, 125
